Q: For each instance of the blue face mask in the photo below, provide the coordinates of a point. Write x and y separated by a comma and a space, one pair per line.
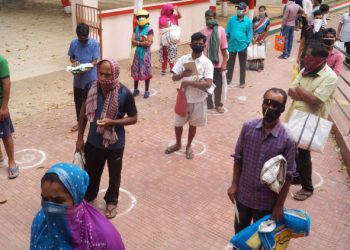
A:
55, 216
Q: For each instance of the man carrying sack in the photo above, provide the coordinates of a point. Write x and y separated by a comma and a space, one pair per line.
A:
312, 92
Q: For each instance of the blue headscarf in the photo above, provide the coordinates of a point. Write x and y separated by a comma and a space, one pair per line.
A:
140, 51
80, 226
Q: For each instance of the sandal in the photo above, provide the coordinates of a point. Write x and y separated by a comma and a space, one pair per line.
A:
111, 211
220, 110
189, 154
172, 149
302, 195
13, 172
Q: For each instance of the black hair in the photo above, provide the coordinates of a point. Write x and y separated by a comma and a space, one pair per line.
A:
319, 50
331, 31
324, 8
82, 29
317, 13
319, 1
278, 91
263, 7
198, 36
52, 177
210, 13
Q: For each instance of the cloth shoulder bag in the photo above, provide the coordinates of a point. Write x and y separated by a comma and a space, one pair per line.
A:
309, 131
279, 42
170, 35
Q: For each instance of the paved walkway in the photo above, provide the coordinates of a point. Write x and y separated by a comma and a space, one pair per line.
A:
168, 202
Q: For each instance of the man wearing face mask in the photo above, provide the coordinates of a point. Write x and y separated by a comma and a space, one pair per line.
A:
313, 34
344, 34
290, 14
260, 140
215, 50
324, 8
335, 59
83, 50
195, 85
312, 92
239, 33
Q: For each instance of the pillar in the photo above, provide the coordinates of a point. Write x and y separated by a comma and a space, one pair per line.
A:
224, 8
251, 9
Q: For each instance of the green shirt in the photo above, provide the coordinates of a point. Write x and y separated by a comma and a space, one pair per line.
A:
322, 86
4, 73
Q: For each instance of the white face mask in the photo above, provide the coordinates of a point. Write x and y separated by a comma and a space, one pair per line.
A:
317, 24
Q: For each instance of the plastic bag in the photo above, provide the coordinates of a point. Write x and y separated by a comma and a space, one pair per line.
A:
79, 160
279, 42
296, 71
224, 87
309, 131
256, 51
181, 103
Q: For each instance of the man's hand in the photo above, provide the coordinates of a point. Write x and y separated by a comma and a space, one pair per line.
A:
186, 73
104, 122
277, 212
79, 145
232, 193
224, 67
4, 113
75, 63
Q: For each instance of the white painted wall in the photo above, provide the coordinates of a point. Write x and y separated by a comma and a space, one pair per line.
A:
117, 30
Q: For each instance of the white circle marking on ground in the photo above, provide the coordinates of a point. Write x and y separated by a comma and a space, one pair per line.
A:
152, 92
319, 184
214, 112
131, 196
194, 144
29, 158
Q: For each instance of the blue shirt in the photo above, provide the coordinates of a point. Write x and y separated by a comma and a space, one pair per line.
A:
84, 53
126, 106
239, 33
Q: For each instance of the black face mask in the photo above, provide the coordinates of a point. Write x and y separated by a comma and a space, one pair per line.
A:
269, 114
197, 48
329, 42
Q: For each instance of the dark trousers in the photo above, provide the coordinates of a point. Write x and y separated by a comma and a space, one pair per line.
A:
246, 215
95, 162
242, 56
347, 50
304, 168
217, 92
78, 100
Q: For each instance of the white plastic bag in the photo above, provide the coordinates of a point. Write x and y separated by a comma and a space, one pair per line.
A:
255, 51
170, 35
79, 160
224, 86
274, 172
309, 131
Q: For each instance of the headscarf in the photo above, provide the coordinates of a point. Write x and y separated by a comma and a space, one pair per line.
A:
166, 13
80, 226
110, 89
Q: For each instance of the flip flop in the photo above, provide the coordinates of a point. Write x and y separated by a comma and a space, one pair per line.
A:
13, 172
302, 195
189, 154
111, 211
172, 149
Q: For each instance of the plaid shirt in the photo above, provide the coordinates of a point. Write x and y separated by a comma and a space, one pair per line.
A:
252, 151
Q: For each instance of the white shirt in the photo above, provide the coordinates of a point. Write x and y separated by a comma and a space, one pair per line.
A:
345, 31
307, 6
205, 69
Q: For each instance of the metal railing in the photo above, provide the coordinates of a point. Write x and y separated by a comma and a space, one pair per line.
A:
92, 17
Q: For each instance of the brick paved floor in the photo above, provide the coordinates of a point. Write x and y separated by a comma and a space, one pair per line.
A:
180, 204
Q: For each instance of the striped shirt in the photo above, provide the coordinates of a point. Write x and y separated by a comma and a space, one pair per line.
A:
253, 149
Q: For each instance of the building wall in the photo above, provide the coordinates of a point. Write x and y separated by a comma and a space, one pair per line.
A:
117, 26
